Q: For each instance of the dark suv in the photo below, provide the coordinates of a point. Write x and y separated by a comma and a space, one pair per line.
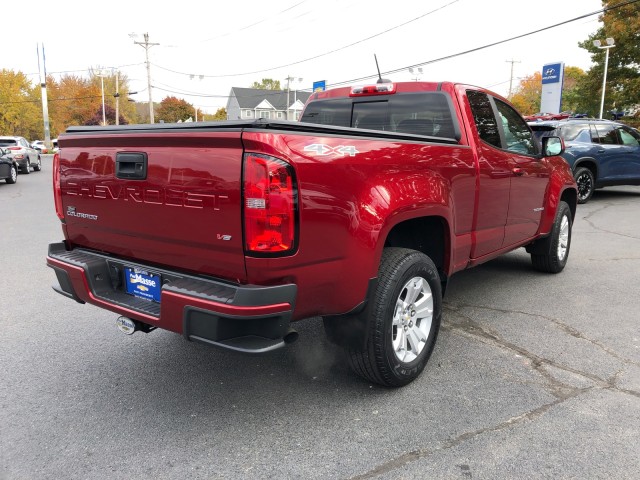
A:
601, 153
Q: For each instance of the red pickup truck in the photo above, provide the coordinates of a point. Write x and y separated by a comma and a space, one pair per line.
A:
229, 232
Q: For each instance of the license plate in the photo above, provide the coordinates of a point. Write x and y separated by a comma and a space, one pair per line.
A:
143, 284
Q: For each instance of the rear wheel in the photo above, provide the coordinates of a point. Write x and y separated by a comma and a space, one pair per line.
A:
403, 319
38, 166
586, 184
27, 168
553, 253
13, 175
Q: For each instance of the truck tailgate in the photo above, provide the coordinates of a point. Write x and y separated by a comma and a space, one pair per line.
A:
170, 198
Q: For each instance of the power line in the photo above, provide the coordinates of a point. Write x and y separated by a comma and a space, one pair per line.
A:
447, 57
316, 56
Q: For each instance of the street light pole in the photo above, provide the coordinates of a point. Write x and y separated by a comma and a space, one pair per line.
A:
417, 72
117, 97
610, 44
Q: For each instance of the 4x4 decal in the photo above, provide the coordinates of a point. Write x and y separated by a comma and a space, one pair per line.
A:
322, 149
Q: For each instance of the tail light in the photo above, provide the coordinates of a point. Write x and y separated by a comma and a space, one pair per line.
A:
270, 205
15, 148
57, 191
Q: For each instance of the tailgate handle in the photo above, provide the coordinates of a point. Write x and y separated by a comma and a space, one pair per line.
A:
131, 165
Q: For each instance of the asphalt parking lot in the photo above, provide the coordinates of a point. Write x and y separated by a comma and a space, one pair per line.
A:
533, 376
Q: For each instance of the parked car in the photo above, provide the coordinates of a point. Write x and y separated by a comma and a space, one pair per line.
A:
536, 117
23, 153
601, 153
54, 145
40, 146
8, 167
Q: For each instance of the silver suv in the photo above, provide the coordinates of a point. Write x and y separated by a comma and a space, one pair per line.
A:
22, 152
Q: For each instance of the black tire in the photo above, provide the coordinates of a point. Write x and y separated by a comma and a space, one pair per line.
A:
13, 177
38, 166
553, 252
379, 361
586, 184
27, 169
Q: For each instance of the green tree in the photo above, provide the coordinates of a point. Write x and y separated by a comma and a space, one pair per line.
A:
173, 109
572, 99
623, 72
267, 84
221, 114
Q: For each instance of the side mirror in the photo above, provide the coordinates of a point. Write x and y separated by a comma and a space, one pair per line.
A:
552, 146
2, 152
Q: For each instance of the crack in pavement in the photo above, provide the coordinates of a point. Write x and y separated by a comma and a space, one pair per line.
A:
454, 442
587, 218
562, 326
557, 388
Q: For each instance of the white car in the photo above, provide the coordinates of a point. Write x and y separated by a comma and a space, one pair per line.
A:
22, 152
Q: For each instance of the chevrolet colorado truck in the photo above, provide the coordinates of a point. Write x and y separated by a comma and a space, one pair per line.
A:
229, 232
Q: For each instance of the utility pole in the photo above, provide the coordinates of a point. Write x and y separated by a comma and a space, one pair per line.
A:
511, 79
289, 78
147, 45
45, 103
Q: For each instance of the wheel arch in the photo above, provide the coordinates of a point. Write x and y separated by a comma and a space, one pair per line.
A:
429, 234
570, 197
589, 163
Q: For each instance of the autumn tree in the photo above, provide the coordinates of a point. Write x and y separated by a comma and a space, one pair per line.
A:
526, 97
266, 84
73, 100
528, 92
173, 109
20, 110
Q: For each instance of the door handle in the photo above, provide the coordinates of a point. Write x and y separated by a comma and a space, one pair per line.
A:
518, 171
131, 165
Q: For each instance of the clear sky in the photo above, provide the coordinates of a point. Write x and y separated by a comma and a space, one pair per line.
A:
207, 47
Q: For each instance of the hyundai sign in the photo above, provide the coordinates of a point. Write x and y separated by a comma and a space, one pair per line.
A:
552, 73
552, 82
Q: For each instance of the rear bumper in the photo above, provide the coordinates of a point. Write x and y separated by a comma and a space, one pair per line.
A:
245, 318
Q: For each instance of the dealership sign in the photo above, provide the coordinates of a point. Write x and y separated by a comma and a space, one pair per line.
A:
552, 82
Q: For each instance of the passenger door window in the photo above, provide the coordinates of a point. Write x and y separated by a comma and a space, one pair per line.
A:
517, 135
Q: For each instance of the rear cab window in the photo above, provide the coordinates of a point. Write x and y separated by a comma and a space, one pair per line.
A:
417, 113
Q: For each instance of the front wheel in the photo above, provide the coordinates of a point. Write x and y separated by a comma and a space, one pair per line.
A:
586, 184
553, 252
403, 319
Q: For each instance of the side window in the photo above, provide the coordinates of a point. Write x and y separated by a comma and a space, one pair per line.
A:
484, 119
517, 135
605, 135
628, 137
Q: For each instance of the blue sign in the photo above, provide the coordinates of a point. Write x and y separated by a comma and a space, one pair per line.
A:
552, 73
320, 86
